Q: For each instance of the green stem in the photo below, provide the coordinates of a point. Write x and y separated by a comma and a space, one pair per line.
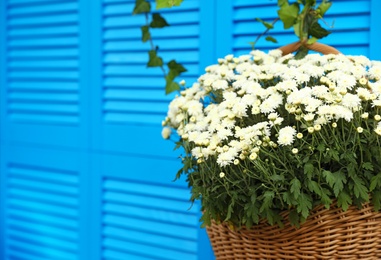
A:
303, 15
259, 36
153, 45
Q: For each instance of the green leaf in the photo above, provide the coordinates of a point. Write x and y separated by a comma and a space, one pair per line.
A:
335, 180
266, 24
158, 21
271, 39
171, 86
145, 33
294, 218
295, 187
376, 200
313, 186
360, 190
311, 2
312, 40
297, 29
368, 166
321, 147
323, 7
288, 198
282, 2
325, 198
304, 204
175, 69
317, 31
154, 60
308, 169
375, 182
288, 14
141, 6
268, 197
334, 154
344, 200
167, 3
302, 52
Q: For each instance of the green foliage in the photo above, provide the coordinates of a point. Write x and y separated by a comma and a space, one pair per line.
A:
303, 17
154, 60
266, 24
141, 6
167, 3
288, 14
271, 39
146, 35
158, 21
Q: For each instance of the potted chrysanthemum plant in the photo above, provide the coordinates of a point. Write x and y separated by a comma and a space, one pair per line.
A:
284, 150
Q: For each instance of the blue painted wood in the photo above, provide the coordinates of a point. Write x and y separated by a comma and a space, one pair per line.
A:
84, 170
375, 30
224, 22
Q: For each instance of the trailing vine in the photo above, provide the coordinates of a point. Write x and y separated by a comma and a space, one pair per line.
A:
154, 21
302, 15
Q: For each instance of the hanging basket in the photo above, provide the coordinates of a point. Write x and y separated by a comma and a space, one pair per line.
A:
326, 234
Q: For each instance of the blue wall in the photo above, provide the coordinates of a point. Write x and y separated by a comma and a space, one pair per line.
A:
84, 171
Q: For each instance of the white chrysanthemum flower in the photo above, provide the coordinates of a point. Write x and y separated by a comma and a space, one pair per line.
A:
240, 110
297, 97
286, 135
309, 117
320, 91
343, 112
166, 132
346, 81
283, 86
363, 93
227, 157
271, 103
376, 102
351, 101
273, 116
220, 84
311, 104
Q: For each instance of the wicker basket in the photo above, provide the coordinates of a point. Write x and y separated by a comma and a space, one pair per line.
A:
326, 234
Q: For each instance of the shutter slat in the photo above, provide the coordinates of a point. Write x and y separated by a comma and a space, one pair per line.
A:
41, 250
42, 31
41, 229
47, 20
42, 218
51, 86
43, 64
41, 42
42, 197
160, 241
40, 9
43, 53
154, 252
156, 214
42, 240
143, 225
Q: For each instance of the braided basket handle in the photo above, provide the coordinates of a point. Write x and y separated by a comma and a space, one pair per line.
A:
319, 47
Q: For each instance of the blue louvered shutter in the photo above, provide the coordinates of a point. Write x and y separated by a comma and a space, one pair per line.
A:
44, 102
144, 214
44, 167
42, 215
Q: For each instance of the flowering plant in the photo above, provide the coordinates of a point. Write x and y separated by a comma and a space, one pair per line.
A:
263, 133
